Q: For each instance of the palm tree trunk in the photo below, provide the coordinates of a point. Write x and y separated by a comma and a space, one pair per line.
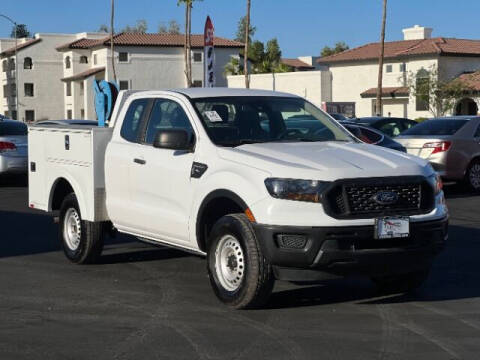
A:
247, 35
185, 49
112, 16
378, 107
189, 44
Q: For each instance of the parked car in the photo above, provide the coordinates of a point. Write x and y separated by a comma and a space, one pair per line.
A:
391, 126
451, 144
68, 122
244, 179
338, 116
372, 136
13, 146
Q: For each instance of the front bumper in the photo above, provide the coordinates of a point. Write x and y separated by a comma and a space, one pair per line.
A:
342, 251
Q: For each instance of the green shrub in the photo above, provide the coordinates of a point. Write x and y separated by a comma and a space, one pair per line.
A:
420, 119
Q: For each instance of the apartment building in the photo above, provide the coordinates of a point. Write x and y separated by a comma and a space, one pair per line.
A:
142, 62
39, 71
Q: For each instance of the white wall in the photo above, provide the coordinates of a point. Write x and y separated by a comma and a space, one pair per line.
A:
312, 85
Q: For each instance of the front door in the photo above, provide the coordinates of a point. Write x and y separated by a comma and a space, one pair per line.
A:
161, 186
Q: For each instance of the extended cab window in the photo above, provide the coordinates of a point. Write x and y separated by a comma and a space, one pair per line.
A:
131, 123
167, 114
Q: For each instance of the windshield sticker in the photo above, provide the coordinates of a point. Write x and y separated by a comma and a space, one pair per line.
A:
212, 116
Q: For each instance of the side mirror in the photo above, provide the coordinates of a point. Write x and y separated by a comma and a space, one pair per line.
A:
174, 139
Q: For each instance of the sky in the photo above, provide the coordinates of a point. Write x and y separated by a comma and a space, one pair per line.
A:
302, 27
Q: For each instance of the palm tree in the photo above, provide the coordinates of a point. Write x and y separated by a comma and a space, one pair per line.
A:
378, 105
112, 16
247, 35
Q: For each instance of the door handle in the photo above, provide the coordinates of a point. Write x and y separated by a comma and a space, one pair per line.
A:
139, 161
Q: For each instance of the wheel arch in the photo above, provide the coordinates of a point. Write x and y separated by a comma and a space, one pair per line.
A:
216, 204
60, 188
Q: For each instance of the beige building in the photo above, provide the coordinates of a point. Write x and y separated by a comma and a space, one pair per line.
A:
142, 62
354, 72
39, 72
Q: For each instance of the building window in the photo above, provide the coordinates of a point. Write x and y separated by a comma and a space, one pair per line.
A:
67, 62
94, 59
5, 65
422, 89
123, 84
13, 90
11, 64
69, 88
403, 67
389, 68
28, 87
82, 114
69, 114
123, 57
29, 115
5, 90
27, 63
197, 57
82, 88
197, 83
83, 60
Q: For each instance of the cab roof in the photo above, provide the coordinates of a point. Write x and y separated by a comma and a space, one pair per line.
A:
195, 93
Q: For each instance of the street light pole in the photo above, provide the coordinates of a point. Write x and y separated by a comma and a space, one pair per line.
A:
16, 64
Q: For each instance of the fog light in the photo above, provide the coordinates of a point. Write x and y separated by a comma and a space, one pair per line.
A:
285, 241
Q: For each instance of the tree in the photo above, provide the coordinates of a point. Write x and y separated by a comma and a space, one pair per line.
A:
247, 42
339, 47
188, 41
22, 31
439, 96
378, 103
233, 67
140, 27
273, 53
242, 25
173, 28
103, 29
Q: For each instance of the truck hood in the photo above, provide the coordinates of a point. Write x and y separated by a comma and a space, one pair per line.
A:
326, 160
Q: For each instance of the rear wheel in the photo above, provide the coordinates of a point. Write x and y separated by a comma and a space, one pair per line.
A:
82, 241
240, 275
472, 177
403, 283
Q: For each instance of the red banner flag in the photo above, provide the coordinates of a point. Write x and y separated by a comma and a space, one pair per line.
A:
209, 56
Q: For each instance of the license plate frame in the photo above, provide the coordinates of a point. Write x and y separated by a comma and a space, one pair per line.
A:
392, 227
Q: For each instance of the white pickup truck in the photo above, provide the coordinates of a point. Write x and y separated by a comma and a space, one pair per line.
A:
264, 184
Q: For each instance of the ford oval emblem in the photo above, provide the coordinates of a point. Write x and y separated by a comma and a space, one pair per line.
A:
385, 197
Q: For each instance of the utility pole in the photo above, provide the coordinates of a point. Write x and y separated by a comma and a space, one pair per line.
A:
378, 104
112, 16
247, 36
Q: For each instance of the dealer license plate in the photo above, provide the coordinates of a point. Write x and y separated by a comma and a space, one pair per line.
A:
392, 227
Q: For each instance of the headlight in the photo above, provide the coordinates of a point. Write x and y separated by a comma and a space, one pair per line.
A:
292, 189
436, 181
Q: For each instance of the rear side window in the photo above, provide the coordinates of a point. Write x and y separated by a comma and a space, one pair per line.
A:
131, 124
391, 128
12, 128
436, 127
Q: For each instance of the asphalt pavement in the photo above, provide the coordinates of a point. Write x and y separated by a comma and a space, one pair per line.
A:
145, 302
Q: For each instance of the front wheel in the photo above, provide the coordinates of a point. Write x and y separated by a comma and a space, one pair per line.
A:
472, 177
403, 283
82, 241
240, 275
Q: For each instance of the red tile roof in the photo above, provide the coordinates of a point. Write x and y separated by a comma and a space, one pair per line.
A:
396, 49
386, 92
84, 74
135, 39
296, 63
472, 80
20, 46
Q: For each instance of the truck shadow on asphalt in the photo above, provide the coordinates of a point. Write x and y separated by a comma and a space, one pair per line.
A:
454, 276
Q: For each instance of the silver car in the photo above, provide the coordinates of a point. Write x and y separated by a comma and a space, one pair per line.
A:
451, 144
13, 147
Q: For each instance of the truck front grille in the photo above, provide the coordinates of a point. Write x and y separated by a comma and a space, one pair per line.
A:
357, 198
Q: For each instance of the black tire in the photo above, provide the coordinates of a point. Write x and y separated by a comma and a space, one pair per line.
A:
257, 282
471, 179
404, 283
91, 234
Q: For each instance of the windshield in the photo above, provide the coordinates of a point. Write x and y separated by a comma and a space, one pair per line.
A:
436, 127
232, 121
